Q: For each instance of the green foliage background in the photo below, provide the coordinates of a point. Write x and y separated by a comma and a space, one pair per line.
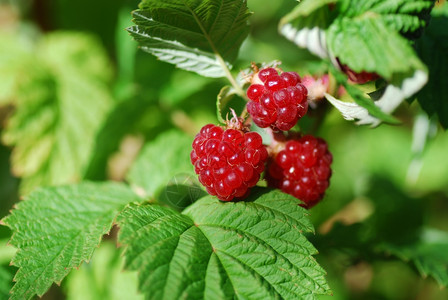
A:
380, 227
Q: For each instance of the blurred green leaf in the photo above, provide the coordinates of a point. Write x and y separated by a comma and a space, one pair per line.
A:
61, 104
395, 227
55, 229
152, 75
6, 251
100, 19
160, 161
182, 85
70, 54
125, 118
193, 35
433, 176
102, 278
13, 60
433, 49
216, 250
428, 254
396, 218
8, 183
385, 150
126, 51
6, 276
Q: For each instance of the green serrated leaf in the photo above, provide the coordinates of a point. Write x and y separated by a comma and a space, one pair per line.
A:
160, 161
61, 104
365, 35
407, 17
55, 229
362, 44
194, 35
217, 250
428, 254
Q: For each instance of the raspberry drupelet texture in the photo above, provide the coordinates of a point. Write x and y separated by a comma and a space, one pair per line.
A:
228, 161
277, 101
302, 169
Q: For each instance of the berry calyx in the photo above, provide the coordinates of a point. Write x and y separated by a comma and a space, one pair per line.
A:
276, 101
316, 86
301, 168
229, 160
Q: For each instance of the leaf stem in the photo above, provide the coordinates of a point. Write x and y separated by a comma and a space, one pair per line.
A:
229, 76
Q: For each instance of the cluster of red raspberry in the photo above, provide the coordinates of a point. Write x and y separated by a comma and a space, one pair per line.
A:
230, 160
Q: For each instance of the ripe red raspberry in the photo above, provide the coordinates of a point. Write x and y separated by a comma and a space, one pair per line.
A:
301, 168
228, 161
278, 101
